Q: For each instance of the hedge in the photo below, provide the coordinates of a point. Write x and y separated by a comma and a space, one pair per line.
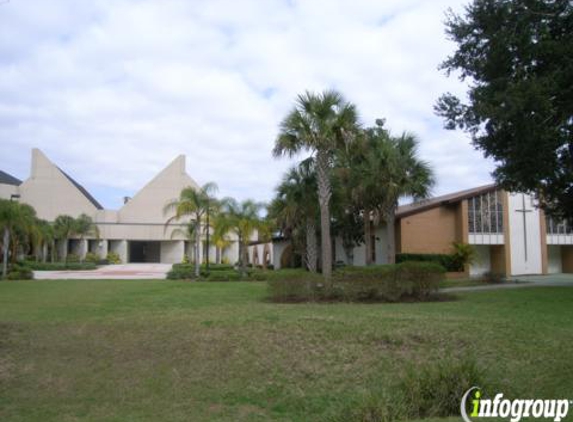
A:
217, 272
58, 266
449, 262
409, 281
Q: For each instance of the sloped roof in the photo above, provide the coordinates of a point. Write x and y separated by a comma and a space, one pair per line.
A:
8, 179
451, 198
83, 190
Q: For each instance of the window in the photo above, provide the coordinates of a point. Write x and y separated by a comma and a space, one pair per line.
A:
485, 213
558, 226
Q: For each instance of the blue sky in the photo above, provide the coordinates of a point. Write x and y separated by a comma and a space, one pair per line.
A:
113, 90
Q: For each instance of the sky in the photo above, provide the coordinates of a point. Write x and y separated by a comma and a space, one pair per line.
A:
113, 90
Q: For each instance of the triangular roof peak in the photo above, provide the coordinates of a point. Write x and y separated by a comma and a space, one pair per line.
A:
42, 166
148, 203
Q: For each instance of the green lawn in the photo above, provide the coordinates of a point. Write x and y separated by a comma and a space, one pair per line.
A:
177, 351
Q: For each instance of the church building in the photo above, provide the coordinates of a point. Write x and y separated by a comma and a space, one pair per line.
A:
136, 232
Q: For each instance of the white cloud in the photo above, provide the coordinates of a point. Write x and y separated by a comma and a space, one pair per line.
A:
112, 91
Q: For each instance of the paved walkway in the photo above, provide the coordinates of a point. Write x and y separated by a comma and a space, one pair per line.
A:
518, 282
109, 272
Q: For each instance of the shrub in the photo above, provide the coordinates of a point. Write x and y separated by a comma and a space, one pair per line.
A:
72, 257
19, 271
217, 267
58, 266
181, 272
92, 257
410, 281
294, 286
113, 258
222, 275
449, 262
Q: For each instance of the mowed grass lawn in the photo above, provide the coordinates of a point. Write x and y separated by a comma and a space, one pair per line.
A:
177, 351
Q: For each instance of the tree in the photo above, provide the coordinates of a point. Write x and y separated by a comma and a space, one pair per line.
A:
196, 204
64, 227
84, 226
244, 220
320, 123
402, 174
9, 219
298, 194
517, 55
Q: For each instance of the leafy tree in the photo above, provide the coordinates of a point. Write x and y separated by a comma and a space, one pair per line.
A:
320, 123
195, 204
518, 58
244, 220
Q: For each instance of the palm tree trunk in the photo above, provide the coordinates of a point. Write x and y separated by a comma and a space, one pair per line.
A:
244, 257
311, 245
367, 238
197, 251
324, 194
390, 217
5, 247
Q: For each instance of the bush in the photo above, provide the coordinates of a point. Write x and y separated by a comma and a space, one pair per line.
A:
113, 258
294, 285
92, 257
410, 281
72, 257
181, 272
19, 272
450, 262
58, 266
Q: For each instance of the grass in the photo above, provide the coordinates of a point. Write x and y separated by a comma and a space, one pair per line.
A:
177, 351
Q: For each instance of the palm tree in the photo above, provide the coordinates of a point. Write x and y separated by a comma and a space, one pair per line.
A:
10, 217
44, 238
84, 226
196, 204
188, 233
298, 194
244, 220
64, 227
320, 123
404, 175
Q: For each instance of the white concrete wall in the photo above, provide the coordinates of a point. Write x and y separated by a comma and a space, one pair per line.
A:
172, 252
119, 247
522, 263
482, 262
51, 193
6, 191
554, 259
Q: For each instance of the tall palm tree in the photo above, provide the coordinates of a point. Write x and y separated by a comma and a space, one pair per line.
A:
195, 204
298, 192
404, 175
44, 239
244, 220
84, 226
320, 123
64, 227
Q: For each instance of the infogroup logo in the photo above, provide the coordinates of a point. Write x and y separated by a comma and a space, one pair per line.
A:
515, 410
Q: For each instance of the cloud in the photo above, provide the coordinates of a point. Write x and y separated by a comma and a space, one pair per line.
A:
112, 91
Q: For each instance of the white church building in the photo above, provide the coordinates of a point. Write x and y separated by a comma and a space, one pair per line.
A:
136, 232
